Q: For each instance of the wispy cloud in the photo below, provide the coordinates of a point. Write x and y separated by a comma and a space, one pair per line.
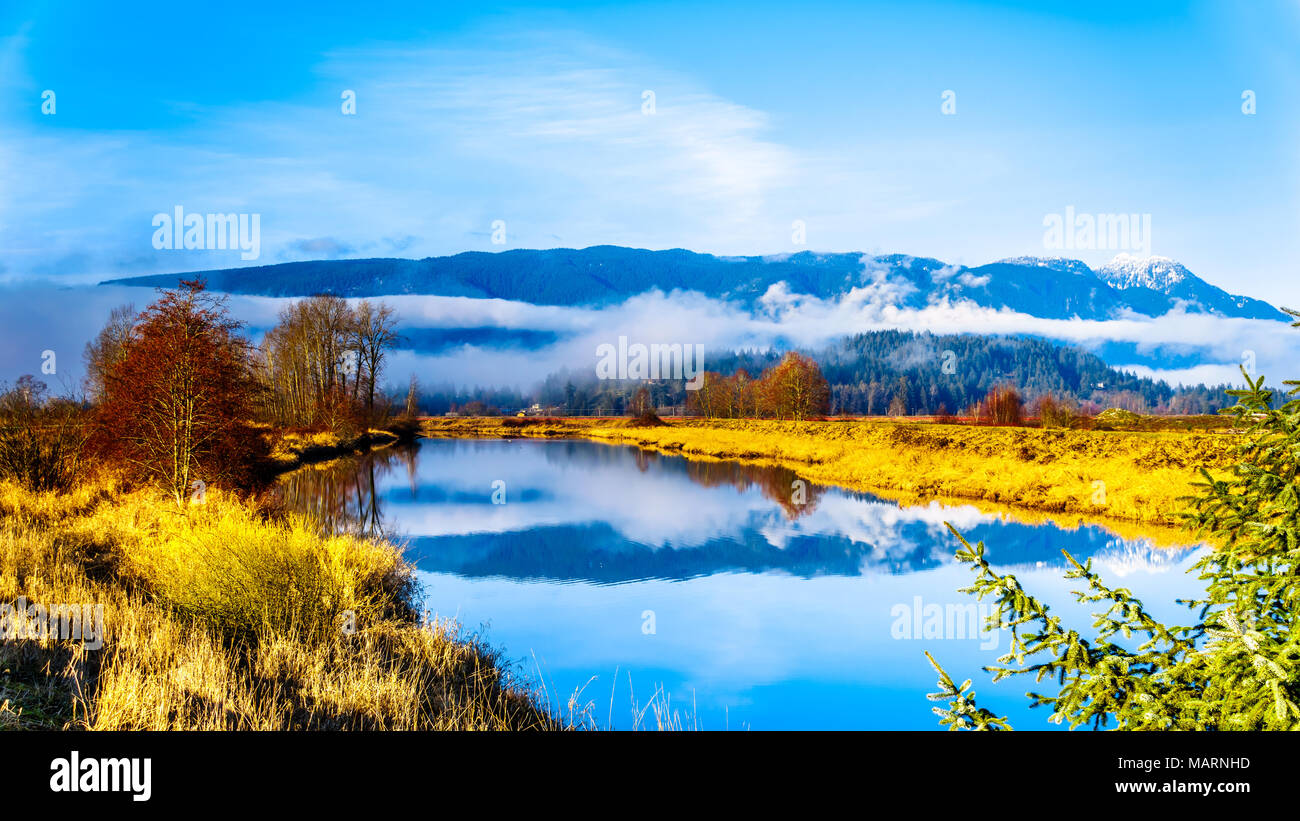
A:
1220, 344
444, 143
40, 316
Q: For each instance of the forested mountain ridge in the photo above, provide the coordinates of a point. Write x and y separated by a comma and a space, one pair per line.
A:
602, 275
929, 373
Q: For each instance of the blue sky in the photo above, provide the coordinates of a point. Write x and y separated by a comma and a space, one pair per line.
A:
764, 114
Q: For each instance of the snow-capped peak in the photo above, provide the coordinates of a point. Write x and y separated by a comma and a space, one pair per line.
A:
1064, 265
1157, 273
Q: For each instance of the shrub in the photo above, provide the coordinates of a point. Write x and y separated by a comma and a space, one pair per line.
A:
221, 564
405, 428
41, 439
1115, 419
642, 408
1055, 413
163, 667
1002, 406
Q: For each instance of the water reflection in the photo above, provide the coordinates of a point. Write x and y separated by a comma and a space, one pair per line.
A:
756, 602
345, 495
581, 511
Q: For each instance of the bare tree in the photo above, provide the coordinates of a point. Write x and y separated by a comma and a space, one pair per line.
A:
323, 362
413, 398
304, 362
373, 335
107, 349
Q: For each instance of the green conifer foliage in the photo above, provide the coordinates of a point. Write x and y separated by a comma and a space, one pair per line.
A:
1236, 667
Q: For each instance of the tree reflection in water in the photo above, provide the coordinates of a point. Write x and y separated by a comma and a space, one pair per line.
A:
795, 496
345, 496
342, 497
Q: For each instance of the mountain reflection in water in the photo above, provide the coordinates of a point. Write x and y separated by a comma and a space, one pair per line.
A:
758, 600
599, 524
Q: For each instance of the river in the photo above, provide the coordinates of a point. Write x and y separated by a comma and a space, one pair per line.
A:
735, 595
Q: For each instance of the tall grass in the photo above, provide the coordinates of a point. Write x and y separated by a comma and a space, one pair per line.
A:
218, 618
221, 564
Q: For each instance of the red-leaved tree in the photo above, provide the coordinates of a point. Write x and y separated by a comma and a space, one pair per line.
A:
178, 403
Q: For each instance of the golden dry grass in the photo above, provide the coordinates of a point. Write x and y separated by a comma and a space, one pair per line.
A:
1051, 474
288, 449
217, 618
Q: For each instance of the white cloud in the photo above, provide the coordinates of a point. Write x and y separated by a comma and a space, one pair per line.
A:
808, 321
1208, 374
783, 316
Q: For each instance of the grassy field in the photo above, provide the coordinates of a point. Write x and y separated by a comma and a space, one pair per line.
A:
218, 616
1124, 478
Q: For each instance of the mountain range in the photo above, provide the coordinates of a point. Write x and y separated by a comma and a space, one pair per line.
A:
1048, 287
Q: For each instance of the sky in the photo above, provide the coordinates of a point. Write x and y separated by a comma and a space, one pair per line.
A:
530, 124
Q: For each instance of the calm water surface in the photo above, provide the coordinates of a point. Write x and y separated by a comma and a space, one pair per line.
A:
619, 572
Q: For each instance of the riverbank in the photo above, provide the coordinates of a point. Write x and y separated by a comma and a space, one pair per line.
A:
290, 450
1113, 477
218, 615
